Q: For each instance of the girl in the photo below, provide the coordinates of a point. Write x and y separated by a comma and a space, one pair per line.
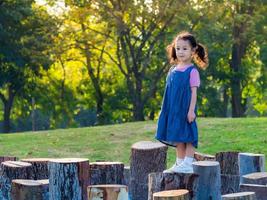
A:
176, 124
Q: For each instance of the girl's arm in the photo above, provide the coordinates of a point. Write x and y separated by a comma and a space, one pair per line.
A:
191, 112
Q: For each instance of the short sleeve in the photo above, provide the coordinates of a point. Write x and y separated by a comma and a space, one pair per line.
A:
194, 78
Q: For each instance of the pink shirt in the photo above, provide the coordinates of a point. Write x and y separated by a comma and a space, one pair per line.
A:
194, 75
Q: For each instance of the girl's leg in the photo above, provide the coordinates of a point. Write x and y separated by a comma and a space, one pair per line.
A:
181, 150
190, 150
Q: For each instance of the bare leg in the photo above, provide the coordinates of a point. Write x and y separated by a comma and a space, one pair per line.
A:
190, 150
181, 150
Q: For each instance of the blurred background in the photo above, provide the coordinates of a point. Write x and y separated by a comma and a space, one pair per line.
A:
78, 63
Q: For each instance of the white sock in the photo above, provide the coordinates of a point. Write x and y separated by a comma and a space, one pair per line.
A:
188, 160
179, 160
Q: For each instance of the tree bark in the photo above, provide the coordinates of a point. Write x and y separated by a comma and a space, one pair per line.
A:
12, 170
68, 178
39, 166
250, 163
203, 157
209, 182
260, 190
165, 181
228, 162
23, 189
146, 157
106, 173
229, 183
7, 158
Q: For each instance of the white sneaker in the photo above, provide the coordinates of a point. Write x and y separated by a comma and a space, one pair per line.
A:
173, 168
183, 168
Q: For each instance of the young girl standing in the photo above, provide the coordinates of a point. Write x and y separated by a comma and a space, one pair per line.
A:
176, 124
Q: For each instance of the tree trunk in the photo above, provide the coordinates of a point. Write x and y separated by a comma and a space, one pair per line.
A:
107, 192
250, 163
230, 183
7, 158
146, 157
172, 195
240, 196
228, 162
260, 190
39, 166
106, 173
23, 189
209, 182
165, 181
12, 170
68, 178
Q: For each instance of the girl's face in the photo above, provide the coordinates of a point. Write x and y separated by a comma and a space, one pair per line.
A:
184, 51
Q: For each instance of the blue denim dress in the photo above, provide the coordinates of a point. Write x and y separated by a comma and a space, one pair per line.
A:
173, 125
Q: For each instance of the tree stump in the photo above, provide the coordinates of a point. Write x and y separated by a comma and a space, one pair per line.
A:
249, 163
228, 162
7, 158
68, 178
166, 181
240, 196
202, 157
260, 190
230, 183
106, 173
39, 166
107, 192
209, 182
23, 189
126, 175
146, 157
171, 195
259, 178
10, 170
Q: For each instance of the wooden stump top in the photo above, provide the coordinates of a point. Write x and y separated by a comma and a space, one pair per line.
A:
106, 163
256, 175
148, 145
206, 163
16, 164
239, 194
69, 160
35, 159
107, 186
251, 154
28, 182
201, 156
170, 193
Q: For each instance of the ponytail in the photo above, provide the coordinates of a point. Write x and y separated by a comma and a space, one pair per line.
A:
201, 56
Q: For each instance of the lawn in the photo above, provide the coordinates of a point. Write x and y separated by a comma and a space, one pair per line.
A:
113, 142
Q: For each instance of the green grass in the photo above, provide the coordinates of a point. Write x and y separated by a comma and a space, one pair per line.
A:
113, 142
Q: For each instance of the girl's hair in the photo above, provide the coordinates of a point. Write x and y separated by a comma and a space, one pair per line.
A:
200, 56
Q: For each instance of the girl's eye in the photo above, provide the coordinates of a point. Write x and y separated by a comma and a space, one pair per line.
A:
185, 48
177, 48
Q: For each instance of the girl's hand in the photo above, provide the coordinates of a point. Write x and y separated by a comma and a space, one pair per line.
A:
191, 116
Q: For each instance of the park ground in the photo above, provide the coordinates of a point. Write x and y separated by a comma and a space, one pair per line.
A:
113, 142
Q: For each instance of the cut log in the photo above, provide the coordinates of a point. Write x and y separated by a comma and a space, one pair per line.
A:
250, 163
107, 192
146, 157
171, 195
10, 170
166, 181
259, 178
240, 196
230, 183
126, 175
209, 186
106, 173
68, 178
260, 190
7, 158
202, 157
228, 162
40, 167
23, 189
